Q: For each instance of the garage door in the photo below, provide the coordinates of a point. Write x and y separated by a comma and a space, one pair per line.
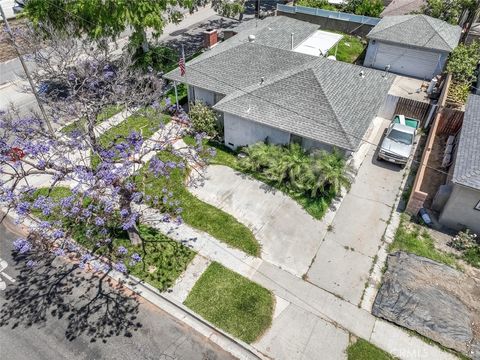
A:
405, 61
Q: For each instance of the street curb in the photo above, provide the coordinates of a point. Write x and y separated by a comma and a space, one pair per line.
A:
235, 347
179, 311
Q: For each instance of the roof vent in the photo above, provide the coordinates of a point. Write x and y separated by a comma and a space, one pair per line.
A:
362, 74
251, 38
262, 80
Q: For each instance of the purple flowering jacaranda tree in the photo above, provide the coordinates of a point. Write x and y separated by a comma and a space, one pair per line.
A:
85, 178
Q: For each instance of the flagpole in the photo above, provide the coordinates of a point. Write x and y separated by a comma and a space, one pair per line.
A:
176, 94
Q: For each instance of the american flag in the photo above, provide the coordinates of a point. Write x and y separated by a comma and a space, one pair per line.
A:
181, 63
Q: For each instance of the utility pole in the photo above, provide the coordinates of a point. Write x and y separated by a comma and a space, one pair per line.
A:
27, 72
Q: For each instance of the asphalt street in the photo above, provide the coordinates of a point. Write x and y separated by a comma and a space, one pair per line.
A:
53, 311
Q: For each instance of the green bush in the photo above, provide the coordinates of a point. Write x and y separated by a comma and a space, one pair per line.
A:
203, 119
469, 244
159, 58
448, 10
292, 168
458, 92
463, 62
371, 8
319, 4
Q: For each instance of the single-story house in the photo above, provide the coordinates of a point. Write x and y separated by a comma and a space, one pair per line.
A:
411, 45
266, 91
462, 209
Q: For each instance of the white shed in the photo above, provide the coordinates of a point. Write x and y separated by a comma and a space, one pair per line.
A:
411, 45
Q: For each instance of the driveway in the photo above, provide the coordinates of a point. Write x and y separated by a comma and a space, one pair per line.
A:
339, 260
289, 236
343, 261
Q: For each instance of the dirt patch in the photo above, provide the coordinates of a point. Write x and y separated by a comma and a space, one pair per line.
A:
7, 51
432, 299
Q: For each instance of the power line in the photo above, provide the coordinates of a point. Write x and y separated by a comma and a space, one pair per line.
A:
262, 98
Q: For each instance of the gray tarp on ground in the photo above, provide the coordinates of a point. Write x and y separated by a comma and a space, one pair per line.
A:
432, 299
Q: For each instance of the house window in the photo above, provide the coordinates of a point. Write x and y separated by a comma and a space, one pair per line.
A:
477, 207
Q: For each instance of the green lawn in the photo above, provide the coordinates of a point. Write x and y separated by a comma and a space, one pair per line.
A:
182, 92
231, 302
363, 350
163, 259
146, 122
107, 113
199, 214
414, 240
348, 49
227, 157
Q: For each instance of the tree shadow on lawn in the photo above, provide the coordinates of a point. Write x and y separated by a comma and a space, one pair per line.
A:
89, 305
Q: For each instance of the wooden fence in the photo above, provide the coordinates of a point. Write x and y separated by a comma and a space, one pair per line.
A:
451, 121
412, 108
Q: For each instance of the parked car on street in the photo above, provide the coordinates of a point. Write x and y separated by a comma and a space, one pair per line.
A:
399, 139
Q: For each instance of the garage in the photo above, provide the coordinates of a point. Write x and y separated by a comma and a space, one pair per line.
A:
407, 61
412, 45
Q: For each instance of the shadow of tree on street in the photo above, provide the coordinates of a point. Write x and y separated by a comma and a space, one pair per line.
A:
91, 305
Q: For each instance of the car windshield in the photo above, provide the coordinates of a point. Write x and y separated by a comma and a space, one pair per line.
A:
401, 137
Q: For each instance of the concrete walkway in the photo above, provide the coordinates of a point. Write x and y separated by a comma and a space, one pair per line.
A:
313, 302
186, 281
289, 236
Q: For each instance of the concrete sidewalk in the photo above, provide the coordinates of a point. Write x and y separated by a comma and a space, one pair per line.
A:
307, 298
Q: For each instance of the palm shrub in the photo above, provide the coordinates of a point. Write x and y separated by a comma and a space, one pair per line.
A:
293, 169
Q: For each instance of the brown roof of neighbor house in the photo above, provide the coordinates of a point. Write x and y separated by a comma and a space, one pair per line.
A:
403, 7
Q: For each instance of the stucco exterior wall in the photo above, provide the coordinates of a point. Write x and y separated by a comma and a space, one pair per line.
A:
241, 132
198, 94
459, 211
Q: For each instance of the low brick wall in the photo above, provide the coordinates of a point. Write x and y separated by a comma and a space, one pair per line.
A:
418, 197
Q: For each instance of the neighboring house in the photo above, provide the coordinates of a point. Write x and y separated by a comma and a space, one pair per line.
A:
403, 7
267, 92
462, 209
411, 45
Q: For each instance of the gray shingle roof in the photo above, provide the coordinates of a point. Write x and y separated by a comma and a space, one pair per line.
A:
467, 162
324, 100
320, 99
274, 32
417, 30
238, 67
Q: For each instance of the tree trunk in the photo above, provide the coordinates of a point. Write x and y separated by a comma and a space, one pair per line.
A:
91, 129
145, 46
134, 236
125, 203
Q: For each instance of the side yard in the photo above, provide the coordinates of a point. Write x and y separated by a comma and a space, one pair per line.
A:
429, 286
350, 49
